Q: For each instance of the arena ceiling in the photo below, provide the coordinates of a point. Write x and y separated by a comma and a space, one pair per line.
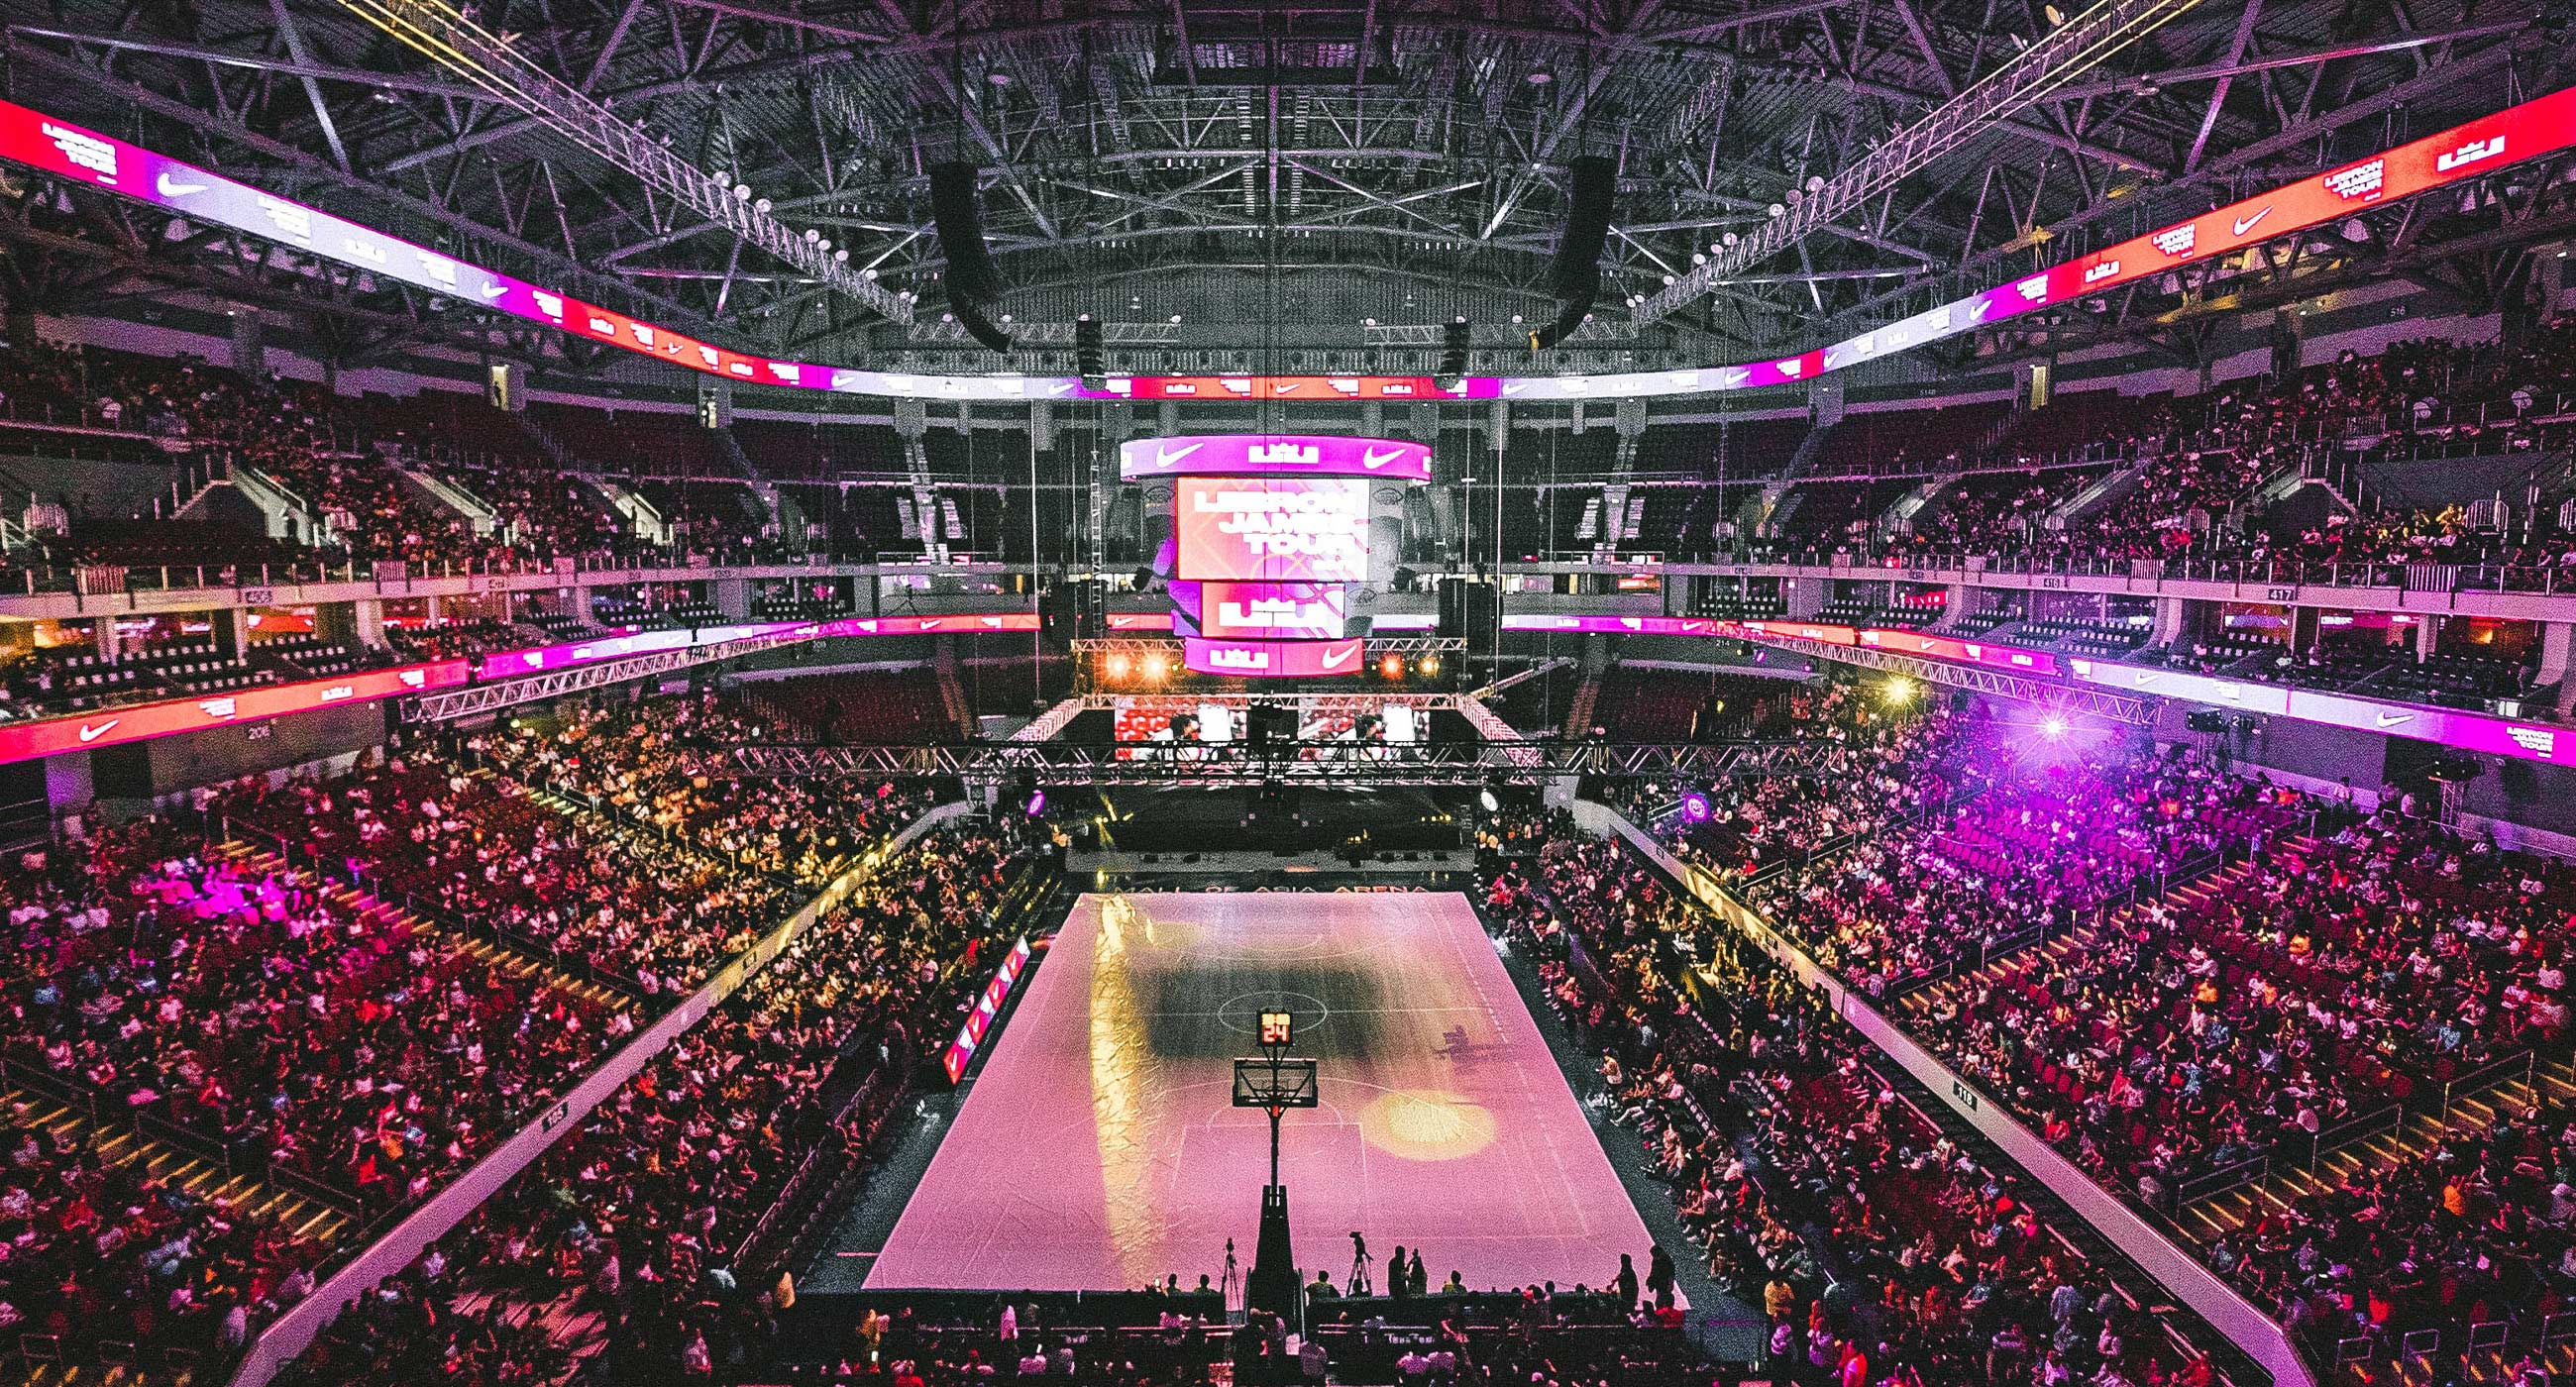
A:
1273, 173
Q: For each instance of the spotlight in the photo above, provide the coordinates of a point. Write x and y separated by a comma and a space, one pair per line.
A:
1430, 666
1391, 667
1120, 666
1037, 803
1695, 807
1156, 666
2053, 728
1899, 690
1486, 798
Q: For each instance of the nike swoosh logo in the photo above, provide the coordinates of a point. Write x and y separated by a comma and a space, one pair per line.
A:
2245, 224
1372, 459
1165, 457
1514, 387
494, 291
1334, 659
2392, 719
91, 734
171, 187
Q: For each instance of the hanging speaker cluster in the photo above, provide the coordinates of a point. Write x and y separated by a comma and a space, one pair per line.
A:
1090, 358
1575, 274
1453, 355
974, 282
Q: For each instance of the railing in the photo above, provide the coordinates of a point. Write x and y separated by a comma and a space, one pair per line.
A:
827, 1162
431, 1220
240, 1156
2300, 1152
347, 873
1869, 563
2158, 1253
646, 565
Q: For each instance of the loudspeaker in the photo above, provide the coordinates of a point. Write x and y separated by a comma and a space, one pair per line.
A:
1453, 355
1090, 359
2205, 720
1472, 608
1070, 608
974, 283
1575, 273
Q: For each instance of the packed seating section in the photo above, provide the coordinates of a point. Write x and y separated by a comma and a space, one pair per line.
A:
2327, 1042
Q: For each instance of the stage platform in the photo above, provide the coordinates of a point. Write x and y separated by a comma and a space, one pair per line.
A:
1098, 1148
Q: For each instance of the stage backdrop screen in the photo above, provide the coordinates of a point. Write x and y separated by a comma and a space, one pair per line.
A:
1279, 611
1307, 530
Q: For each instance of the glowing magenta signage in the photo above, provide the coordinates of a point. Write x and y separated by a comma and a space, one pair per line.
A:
988, 1009
1273, 455
1271, 611
1611, 625
1313, 530
2449, 727
2465, 151
1271, 659
137, 722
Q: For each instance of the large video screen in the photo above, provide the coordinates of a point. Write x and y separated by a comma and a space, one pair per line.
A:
1307, 530
1277, 611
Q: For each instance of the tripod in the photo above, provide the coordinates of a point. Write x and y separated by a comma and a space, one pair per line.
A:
1230, 1286
1360, 1262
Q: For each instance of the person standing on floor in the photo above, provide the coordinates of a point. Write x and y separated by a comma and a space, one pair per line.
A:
1659, 1277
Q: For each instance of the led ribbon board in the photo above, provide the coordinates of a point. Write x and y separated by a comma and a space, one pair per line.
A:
1265, 611
2449, 727
1274, 455
2469, 150
1271, 659
138, 722
988, 1008
1273, 531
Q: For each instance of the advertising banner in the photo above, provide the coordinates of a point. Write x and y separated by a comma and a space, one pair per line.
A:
1267, 455
2469, 150
139, 721
988, 1009
1271, 659
1261, 530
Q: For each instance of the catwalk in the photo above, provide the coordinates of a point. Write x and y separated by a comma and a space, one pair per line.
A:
1098, 1149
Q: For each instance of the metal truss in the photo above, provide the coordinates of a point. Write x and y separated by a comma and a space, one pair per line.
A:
451, 704
2085, 699
1152, 163
1430, 765
1171, 646
490, 63
2067, 52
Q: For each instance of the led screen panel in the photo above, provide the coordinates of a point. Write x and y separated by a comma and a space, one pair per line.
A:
1313, 530
1274, 611
1258, 454
2537, 127
1271, 659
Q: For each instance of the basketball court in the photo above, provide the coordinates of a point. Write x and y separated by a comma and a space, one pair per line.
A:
1099, 1146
